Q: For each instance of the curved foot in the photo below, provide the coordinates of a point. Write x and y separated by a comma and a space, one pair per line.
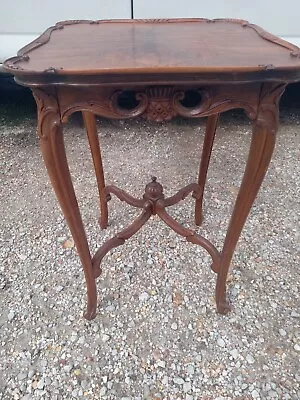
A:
90, 313
223, 307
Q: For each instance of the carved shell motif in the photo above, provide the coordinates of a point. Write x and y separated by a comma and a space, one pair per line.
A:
160, 106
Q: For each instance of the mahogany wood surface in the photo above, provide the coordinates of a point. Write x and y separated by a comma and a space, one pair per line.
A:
165, 68
197, 46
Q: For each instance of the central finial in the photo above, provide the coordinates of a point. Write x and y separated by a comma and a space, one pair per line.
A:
153, 190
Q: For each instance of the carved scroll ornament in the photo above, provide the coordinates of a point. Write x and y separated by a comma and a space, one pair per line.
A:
162, 103
48, 113
268, 106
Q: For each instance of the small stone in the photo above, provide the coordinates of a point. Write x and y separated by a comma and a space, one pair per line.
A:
131, 324
43, 363
189, 397
34, 385
105, 338
165, 380
178, 380
146, 392
187, 387
272, 394
95, 328
250, 359
58, 288
109, 385
40, 385
110, 308
297, 347
234, 353
156, 355
77, 372
11, 315
27, 397
295, 314
174, 326
21, 376
30, 374
39, 393
177, 298
144, 296
161, 364
190, 369
47, 381
221, 342
84, 384
103, 391
68, 367
255, 394
282, 332
127, 380
74, 337
68, 244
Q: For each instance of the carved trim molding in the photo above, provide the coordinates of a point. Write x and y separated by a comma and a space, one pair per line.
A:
294, 50
162, 103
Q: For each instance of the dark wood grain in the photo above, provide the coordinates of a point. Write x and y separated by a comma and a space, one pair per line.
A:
155, 46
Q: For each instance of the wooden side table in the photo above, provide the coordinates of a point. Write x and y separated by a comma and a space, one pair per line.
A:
166, 68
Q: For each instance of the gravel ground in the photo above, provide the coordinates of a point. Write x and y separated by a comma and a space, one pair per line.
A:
157, 334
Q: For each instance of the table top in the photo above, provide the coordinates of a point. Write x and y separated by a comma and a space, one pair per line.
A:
175, 46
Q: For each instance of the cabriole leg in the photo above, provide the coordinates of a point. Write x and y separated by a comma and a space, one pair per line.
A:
210, 132
261, 149
53, 150
91, 129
